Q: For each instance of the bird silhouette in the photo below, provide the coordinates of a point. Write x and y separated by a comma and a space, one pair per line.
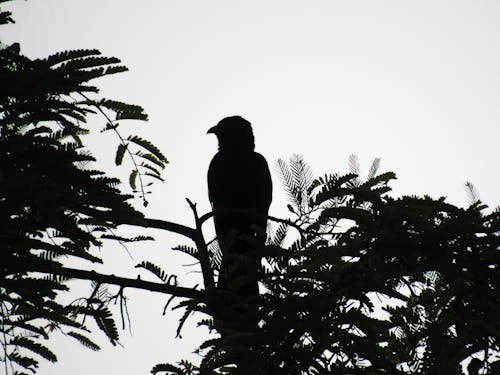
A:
240, 191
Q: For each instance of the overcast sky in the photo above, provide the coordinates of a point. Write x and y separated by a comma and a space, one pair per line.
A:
416, 83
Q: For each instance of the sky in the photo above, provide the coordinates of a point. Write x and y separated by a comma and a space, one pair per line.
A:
416, 83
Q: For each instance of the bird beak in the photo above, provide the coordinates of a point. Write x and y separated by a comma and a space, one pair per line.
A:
213, 130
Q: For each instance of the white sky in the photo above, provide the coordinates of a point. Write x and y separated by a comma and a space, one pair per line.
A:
416, 83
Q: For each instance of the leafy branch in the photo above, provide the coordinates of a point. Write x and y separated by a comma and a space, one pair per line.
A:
155, 156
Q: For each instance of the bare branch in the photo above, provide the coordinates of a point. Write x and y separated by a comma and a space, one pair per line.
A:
124, 282
201, 245
183, 230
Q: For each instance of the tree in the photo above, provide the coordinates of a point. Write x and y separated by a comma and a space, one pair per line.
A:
52, 205
355, 282
371, 284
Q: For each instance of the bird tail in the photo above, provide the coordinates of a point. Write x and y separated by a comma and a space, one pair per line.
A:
239, 271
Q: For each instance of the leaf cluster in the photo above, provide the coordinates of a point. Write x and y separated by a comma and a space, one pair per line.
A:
56, 94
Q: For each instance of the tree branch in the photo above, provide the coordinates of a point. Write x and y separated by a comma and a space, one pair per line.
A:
183, 230
124, 282
201, 245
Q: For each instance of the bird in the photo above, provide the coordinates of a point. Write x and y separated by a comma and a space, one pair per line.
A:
240, 192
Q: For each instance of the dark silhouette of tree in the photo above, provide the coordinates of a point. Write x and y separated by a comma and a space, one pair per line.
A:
53, 205
371, 284
355, 282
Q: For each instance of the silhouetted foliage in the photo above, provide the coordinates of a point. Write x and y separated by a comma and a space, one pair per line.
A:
369, 284
53, 204
355, 282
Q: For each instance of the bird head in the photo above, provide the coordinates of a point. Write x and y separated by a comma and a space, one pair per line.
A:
234, 134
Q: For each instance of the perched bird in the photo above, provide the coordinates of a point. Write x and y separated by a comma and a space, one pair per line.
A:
238, 180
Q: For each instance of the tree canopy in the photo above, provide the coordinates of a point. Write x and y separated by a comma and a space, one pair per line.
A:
356, 281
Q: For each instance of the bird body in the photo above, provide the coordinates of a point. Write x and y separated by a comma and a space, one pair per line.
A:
239, 182
240, 191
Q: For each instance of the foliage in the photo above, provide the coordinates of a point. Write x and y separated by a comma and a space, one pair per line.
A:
53, 204
433, 266
371, 284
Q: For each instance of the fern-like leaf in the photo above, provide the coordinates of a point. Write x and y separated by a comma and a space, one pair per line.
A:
215, 255
354, 168
148, 146
26, 362
154, 175
104, 319
374, 168
157, 271
187, 250
85, 341
287, 180
122, 147
151, 158
132, 180
87, 62
472, 193
5, 17
124, 111
182, 321
279, 235
35, 347
167, 368
60, 57
151, 169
